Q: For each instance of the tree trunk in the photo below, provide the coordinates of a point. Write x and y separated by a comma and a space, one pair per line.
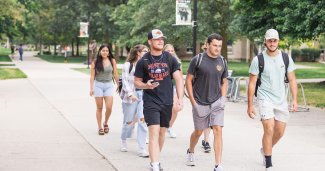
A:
78, 42
72, 48
41, 47
253, 51
55, 49
117, 52
224, 50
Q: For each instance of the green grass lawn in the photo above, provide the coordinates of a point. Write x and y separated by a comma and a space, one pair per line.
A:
314, 93
4, 65
8, 73
311, 72
60, 59
11, 73
4, 55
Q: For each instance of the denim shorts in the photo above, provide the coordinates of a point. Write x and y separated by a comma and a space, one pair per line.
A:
103, 89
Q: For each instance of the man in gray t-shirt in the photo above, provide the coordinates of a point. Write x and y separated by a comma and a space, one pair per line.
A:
206, 84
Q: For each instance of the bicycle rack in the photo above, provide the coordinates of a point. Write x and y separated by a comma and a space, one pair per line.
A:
303, 108
234, 94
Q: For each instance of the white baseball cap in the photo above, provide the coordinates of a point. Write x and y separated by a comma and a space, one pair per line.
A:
271, 34
155, 34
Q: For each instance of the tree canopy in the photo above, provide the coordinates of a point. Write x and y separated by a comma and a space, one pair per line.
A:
126, 22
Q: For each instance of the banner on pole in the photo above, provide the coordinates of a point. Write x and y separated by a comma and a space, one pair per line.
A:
83, 29
183, 12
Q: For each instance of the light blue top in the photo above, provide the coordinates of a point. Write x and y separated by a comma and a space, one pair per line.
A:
272, 88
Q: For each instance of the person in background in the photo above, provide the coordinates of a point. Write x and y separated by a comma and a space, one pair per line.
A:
132, 102
170, 48
20, 51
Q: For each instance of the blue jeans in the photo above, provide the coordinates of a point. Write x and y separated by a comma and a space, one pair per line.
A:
21, 56
132, 111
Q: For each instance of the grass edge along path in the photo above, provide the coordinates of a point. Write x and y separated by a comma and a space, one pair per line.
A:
11, 73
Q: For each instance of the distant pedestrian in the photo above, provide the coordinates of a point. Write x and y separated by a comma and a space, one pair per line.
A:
206, 84
170, 48
132, 103
93, 50
154, 73
271, 94
103, 71
66, 48
20, 51
12, 47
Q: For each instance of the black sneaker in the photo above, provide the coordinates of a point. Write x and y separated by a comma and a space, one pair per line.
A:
206, 146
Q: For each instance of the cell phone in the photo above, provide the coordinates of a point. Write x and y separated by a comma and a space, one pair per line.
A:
155, 83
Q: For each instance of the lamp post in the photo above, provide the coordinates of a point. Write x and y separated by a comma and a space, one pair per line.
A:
88, 53
194, 25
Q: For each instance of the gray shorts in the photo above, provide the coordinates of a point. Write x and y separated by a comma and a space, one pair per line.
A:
205, 116
103, 89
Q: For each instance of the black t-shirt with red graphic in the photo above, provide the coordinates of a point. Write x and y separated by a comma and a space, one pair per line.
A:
160, 69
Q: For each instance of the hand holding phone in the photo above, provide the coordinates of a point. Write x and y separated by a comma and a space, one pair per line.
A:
152, 84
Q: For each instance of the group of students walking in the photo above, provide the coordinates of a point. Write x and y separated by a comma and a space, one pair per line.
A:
153, 88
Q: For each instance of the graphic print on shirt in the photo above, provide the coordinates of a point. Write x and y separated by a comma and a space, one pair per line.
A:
158, 71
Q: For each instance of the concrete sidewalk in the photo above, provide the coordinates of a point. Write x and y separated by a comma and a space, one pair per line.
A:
63, 111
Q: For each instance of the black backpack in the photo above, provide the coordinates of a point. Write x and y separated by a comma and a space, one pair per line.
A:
260, 58
120, 84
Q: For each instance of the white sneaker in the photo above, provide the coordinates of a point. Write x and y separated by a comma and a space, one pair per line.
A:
143, 153
190, 159
269, 169
124, 147
219, 168
147, 141
263, 156
171, 133
156, 167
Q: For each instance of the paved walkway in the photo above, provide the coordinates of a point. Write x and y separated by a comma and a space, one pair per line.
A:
48, 123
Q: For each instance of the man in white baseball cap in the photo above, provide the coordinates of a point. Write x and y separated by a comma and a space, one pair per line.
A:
269, 71
271, 34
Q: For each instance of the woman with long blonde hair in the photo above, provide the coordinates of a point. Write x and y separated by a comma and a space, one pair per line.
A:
170, 48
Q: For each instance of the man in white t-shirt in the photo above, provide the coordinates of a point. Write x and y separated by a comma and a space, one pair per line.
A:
271, 95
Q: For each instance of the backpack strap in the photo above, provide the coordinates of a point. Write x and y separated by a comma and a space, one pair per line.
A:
197, 64
130, 68
260, 58
285, 58
224, 61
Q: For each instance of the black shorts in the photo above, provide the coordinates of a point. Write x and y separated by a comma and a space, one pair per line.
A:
155, 114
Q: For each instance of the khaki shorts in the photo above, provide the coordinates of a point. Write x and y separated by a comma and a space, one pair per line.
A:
205, 116
268, 110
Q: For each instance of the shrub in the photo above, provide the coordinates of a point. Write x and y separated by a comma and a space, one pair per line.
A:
295, 53
47, 53
310, 54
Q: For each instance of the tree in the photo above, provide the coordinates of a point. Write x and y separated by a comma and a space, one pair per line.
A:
10, 16
303, 19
